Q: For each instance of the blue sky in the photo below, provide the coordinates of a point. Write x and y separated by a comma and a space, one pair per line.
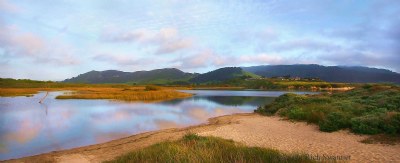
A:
58, 39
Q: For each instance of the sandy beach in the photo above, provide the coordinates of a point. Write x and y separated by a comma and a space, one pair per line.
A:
249, 129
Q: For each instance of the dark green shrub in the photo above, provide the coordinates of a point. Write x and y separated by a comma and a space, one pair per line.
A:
279, 103
319, 100
334, 121
267, 110
391, 123
296, 113
372, 109
369, 124
315, 116
367, 86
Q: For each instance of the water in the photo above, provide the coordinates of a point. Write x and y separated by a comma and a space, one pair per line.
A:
29, 128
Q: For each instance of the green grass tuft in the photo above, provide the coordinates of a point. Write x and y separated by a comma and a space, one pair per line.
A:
193, 148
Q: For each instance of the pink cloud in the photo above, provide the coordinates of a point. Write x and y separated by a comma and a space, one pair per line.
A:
165, 40
9, 7
25, 132
165, 124
208, 58
19, 44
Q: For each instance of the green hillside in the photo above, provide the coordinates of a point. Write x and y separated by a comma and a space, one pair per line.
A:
347, 74
158, 76
222, 74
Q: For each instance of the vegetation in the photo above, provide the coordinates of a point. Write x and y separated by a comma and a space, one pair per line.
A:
344, 74
277, 84
371, 109
193, 148
124, 92
221, 74
158, 76
10, 92
173, 76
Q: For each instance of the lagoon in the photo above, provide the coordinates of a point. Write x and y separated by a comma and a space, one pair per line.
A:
29, 128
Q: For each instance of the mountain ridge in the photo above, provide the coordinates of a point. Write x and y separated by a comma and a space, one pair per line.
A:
347, 74
350, 74
156, 76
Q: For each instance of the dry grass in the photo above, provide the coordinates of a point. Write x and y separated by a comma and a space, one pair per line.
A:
123, 93
11, 92
218, 88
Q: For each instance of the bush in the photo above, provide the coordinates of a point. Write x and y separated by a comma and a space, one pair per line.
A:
315, 116
296, 113
370, 109
369, 124
388, 123
334, 121
391, 123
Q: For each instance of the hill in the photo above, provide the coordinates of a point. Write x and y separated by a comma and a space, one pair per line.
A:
175, 76
221, 74
158, 76
346, 74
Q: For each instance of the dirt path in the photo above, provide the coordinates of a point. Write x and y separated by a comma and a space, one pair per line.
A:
250, 129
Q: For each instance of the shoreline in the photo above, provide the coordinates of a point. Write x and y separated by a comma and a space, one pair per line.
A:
248, 128
108, 150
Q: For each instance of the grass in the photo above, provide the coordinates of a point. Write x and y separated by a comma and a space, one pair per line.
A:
126, 94
371, 109
11, 92
276, 84
193, 148
123, 92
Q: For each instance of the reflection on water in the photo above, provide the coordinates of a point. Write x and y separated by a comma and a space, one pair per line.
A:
29, 128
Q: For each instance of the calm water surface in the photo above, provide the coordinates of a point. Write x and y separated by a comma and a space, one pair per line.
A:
29, 128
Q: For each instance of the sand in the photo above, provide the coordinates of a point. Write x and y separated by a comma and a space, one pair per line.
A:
249, 129
283, 135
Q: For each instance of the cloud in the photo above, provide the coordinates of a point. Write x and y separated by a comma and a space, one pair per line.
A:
207, 58
17, 44
261, 59
198, 60
140, 35
130, 60
305, 44
165, 124
173, 46
116, 59
25, 131
9, 7
165, 40
261, 37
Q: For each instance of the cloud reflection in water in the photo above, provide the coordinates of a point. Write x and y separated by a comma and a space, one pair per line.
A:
28, 128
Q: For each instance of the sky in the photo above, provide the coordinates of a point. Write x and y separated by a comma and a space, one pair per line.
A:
59, 39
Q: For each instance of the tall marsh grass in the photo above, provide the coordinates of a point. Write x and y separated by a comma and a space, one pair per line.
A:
10, 92
125, 94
